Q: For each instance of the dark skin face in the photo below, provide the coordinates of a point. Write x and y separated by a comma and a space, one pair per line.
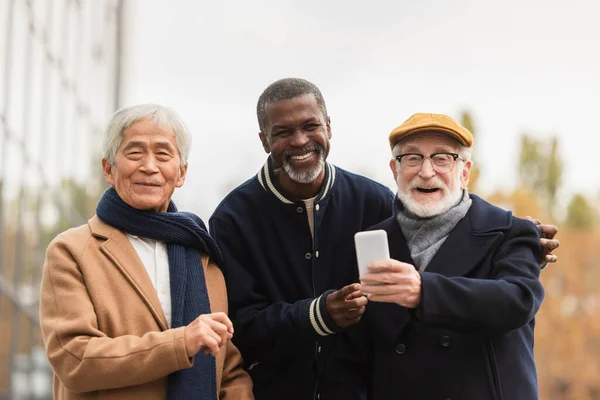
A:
295, 132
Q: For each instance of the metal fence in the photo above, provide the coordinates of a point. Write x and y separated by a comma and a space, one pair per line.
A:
59, 83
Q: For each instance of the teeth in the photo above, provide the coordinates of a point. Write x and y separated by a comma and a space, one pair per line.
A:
301, 157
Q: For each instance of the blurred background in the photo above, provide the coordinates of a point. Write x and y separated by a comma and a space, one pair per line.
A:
523, 75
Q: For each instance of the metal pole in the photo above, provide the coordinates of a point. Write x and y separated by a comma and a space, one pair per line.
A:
61, 61
118, 53
21, 261
34, 332
5, 113
3, 223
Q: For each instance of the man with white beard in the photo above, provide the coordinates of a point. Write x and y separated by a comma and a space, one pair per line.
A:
451, 314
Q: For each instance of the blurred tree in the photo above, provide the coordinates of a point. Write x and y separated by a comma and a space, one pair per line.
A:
80, 206
567, 343
554, 174
467, 122
540, 169
522, 202
580, 214
530, 164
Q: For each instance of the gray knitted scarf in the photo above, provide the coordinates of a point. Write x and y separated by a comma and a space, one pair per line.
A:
424, 236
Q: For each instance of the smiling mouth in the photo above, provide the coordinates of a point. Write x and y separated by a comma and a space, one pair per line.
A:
302, 157
149, 184
427, 190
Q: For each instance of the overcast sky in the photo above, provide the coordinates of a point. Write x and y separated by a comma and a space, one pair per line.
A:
518, 66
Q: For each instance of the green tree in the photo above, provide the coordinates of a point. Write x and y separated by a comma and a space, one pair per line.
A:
540, 169
554, 174
80, 206
531, 164
467, 122
580, 214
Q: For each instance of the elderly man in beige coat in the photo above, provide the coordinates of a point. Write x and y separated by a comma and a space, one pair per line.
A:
133, 304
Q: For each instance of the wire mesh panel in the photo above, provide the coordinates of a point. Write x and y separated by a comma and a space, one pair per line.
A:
59, 81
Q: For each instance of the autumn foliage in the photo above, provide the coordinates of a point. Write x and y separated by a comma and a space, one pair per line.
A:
567, 335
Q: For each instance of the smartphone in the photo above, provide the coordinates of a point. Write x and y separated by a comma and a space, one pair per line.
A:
370, 246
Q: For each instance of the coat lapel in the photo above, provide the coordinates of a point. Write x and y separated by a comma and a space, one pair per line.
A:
120, 251
470, 241
397, 243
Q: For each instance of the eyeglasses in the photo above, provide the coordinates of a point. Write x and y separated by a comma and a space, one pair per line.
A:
442, 162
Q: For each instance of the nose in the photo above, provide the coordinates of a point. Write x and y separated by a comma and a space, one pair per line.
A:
427, 171
300, 138
149, 165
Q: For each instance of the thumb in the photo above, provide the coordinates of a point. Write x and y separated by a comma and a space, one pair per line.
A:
346, 290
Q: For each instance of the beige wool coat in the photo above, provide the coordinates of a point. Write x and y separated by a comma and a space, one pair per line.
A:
105, 332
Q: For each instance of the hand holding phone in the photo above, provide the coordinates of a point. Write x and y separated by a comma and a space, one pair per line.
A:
370, 246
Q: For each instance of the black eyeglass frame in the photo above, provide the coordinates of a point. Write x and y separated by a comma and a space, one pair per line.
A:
454, 156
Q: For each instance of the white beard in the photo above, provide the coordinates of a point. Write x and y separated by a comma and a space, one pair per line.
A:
305, 177
429, 209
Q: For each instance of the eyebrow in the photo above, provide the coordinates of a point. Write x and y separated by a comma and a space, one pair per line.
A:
278, 126
309, 120
136, 143
163, 145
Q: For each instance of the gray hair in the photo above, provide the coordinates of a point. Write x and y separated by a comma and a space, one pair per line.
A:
162, 116
285, 89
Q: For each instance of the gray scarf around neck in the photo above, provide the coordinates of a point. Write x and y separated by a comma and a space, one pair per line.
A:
424, 236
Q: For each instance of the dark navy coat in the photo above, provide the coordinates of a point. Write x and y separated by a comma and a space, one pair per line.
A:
278, 276
471, 338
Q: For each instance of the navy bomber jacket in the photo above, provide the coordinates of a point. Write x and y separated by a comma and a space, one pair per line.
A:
278, 277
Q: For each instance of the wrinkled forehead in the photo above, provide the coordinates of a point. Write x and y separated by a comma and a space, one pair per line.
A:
149, 127
428, 141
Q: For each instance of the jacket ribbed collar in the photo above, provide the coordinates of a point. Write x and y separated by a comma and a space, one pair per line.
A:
266, 178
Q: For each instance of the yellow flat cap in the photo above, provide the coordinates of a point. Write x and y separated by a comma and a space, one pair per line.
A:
427, 122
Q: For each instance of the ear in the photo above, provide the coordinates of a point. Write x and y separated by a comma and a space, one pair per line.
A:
465, 174
328, 124
265, 142
394, 169
182, 173
107, 170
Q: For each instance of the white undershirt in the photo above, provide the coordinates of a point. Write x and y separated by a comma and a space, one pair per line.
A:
309, 203
153, 254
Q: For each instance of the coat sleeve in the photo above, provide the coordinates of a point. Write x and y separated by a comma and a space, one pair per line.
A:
263, 329
82, 356
509, 299
387, 205
235, 383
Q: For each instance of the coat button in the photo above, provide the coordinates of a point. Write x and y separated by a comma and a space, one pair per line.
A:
317, 207
308, 256
445, 341
299, 209
317, 253
401, 349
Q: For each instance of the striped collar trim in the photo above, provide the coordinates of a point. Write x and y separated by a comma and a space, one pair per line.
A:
266, 178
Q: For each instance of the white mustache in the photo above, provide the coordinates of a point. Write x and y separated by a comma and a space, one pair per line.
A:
434, 183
